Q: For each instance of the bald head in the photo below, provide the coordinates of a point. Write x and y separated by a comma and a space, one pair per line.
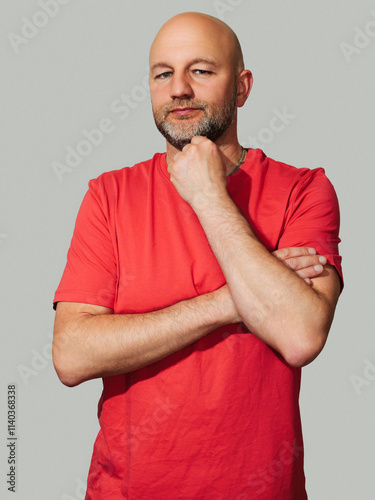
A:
193, 28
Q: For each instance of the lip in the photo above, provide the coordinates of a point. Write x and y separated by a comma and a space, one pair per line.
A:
183, 111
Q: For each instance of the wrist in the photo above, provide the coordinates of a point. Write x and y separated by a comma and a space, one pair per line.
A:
223, 310
210, 200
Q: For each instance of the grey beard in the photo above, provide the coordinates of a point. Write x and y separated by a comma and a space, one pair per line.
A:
212, 127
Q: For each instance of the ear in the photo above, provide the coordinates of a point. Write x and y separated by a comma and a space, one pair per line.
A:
244, 84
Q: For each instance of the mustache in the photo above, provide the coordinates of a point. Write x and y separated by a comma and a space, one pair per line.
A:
168, 108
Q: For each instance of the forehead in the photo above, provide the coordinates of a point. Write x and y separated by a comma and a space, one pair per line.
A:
180, 43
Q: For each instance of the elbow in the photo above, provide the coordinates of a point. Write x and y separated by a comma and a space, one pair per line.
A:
309, 339
64, 367
304, 352
299, 358
67, 380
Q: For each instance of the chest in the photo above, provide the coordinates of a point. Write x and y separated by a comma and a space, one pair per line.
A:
163, 253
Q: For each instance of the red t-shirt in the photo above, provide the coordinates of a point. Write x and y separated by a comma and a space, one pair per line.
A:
219, 419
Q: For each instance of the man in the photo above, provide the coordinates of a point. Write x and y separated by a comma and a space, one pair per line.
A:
178, 293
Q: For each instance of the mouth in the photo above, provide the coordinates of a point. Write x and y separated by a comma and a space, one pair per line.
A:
184, 111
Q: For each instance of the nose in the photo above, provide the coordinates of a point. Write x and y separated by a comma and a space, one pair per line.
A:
180, 86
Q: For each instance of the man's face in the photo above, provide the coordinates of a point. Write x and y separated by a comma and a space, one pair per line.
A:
193, 87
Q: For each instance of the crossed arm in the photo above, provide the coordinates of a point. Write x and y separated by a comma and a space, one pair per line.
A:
286, 298
90, 341
277, 306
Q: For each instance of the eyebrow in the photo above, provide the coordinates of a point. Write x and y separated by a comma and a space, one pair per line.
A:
162, 64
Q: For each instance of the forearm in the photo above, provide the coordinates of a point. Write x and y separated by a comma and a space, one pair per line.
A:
88, 345
275, 304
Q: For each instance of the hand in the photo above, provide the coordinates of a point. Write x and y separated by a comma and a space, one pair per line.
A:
198, 172
303, 260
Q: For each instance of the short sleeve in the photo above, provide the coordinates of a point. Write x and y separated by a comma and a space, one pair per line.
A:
313, 217
90, 274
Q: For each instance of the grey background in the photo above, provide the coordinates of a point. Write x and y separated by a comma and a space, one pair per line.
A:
66, 79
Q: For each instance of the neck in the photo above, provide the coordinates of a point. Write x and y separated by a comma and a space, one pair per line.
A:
231, 156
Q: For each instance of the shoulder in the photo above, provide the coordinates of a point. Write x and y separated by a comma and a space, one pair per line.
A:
116, 177
110, 183
283, 176
269, 167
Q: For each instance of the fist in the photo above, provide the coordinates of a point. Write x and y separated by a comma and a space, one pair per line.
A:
198, 172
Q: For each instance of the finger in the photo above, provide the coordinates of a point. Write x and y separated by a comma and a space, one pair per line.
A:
287, 252
197, 139
310, 272
176, 156
302, 262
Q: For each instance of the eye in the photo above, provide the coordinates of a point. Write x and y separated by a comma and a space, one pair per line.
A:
164, 75
202, 72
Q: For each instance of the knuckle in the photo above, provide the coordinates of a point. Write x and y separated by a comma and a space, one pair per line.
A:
293, 263
282, 253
